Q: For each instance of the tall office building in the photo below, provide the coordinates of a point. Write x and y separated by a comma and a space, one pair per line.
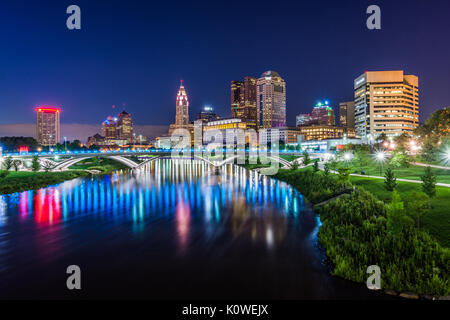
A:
347, 114
322, 113
237, 87
125, 126
386, 102
303, 119
109, 128
207, 114
182, 108
243, 100
271, 100
48, 126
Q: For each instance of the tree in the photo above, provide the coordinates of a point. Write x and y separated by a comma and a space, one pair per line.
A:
390, 180
400, 159
316, 166
395, 215
35, 165
8, 163
306, 159
382, 137
344, 174
326, 169
417, 207
429, 150
294, 166
360, 157
429, 184
16, 164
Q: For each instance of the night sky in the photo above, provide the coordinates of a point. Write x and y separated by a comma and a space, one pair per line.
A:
134, 53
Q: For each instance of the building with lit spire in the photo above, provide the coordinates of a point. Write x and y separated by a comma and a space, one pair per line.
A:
182, 111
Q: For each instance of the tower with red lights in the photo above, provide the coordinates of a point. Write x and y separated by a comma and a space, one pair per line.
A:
48, 126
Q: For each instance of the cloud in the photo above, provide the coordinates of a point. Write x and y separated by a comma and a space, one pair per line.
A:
77, 131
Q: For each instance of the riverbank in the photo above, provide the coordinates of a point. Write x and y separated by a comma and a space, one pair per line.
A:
27, 180
23, 181
359, 230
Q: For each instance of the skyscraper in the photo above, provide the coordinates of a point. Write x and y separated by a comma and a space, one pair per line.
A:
243, 101
207, 115
182, 108
236, 99
347, 114
109, 128
271, 100
125, 126
386, 102
322, 113
48, 126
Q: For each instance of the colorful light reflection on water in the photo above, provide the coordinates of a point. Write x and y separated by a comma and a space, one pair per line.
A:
175, 229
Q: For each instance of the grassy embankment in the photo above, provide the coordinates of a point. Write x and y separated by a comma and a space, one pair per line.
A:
22, 181
26, 180
360, 230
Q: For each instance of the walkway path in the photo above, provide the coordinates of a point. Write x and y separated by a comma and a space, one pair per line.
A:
430, 165
399, 179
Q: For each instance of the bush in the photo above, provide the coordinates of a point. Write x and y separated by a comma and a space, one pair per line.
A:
354, 234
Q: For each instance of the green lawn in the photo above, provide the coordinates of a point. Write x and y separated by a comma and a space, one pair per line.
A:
289, 157
22, 181
436, 222
412, 173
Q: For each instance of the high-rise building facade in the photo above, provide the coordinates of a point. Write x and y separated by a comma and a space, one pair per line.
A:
182, 108
243, 100
271, 100
386, 102
237, 88
109, 128
48, 126
322, 113
125, 126
347, 114
303, 119
207, 115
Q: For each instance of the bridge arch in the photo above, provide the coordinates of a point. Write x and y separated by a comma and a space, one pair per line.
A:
70, 162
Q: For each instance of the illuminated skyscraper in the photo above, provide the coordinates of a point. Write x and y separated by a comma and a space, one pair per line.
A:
182, 108
48, 126
347, 114
322, 113
207, 115
125, 126
236, 99
271, 100
386, 102
243, 101
109, 128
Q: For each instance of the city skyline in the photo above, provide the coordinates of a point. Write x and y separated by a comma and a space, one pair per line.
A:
149, 89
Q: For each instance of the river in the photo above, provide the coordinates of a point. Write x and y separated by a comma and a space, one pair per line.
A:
175, 230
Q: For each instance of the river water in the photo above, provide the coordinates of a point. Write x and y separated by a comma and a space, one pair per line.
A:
176, 230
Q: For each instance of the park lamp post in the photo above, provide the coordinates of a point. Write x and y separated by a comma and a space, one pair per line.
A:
347, 158
65, 143
381, 156
447, 156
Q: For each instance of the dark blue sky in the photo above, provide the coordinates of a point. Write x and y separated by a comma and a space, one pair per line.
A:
135, 53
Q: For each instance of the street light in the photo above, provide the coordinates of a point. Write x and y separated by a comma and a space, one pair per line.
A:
380, 157
347, 157
65, 143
